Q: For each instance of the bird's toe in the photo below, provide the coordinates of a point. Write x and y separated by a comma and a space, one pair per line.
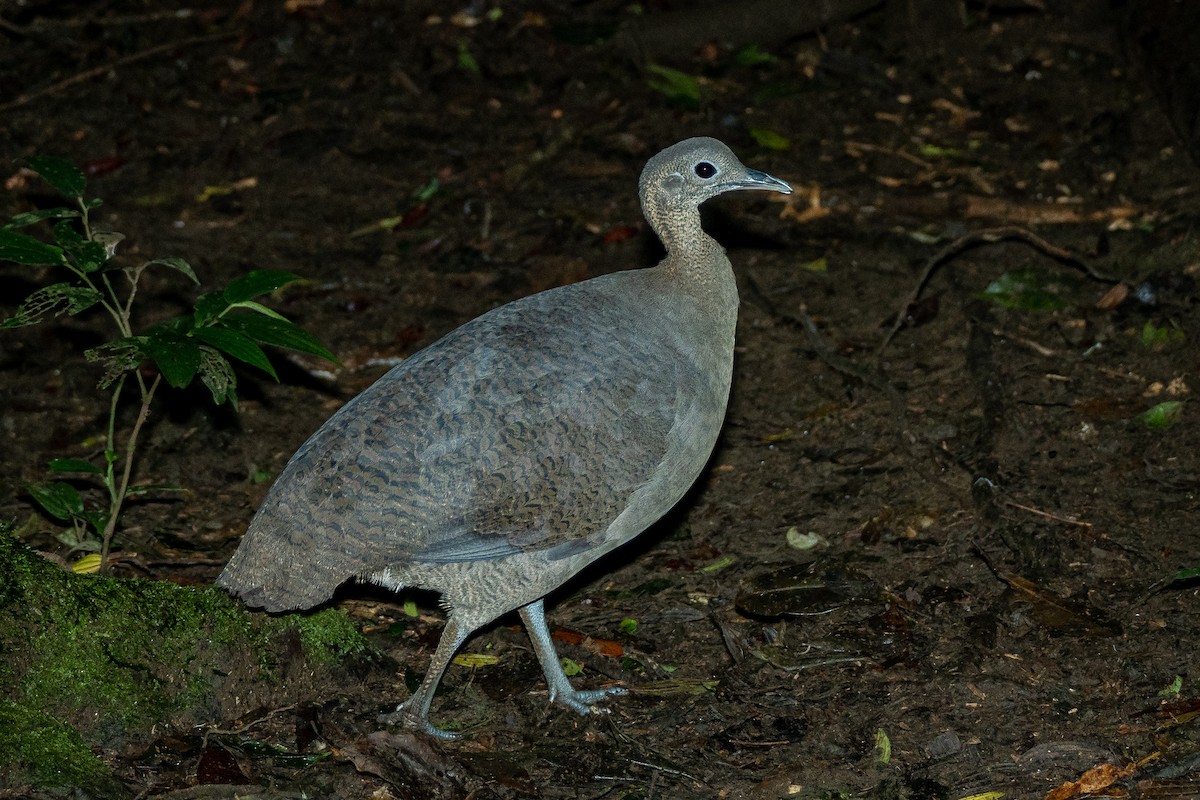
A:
406, 718
585, 702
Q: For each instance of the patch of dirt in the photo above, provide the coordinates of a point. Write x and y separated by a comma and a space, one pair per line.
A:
985, 471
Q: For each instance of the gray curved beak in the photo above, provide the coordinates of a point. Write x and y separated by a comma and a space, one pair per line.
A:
759, 180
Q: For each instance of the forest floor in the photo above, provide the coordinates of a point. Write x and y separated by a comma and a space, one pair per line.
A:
938, 562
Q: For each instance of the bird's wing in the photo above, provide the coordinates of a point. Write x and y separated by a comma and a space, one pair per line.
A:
528, 429
542, 433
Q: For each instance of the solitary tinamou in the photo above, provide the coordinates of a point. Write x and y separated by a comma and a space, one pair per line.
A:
504, 458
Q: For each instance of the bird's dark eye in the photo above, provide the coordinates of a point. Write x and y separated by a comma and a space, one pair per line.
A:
705, 170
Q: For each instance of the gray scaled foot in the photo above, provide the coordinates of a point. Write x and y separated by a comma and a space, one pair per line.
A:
413, 719
583, 702
561, 690
413, 713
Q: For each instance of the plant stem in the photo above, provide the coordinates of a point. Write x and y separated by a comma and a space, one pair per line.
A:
130, 446
84, 217
119, 314
110, 443
112, 303
117, 492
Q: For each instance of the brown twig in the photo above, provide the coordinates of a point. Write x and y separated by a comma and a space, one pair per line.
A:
123, 61
1047, 514
929, 169
125, 19
974, 239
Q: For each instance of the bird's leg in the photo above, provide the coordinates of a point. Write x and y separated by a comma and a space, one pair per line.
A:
414, 712
561, 690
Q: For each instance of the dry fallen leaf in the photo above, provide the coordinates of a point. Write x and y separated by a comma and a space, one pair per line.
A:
1093, 780
811, 195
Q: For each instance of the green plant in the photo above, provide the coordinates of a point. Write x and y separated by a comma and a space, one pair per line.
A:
679, 87
223, 324
769, 139
1025, 289
752, 56
1158, 338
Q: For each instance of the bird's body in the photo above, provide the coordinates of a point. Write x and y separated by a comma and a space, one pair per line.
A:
502, 459
482, 457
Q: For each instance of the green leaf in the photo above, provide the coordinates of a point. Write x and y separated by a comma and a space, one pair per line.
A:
718, 565
57, 299
467, 61
33, 217
64, 176
66, 234
1159, 338
60, 500
236, 344
117, 358
89, 256
1172, 689
883, 747
97, 519
570, 667
209, 306
181, 325
769, 139
259, 308
476, 660
177, 357
87, 565
423, 194
753, 55
23, 249
217, 374
74, 465
280, 333
1163, 415
77, 539
257, 282
1024, 289
934, 151
212, 305
678, 86
177, 264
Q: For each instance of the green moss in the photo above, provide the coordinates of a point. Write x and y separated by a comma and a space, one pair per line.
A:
114, 657
327, 636
128, 651
38, 749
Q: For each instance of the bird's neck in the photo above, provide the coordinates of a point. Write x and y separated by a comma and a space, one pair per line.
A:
688, 247
695, 262
698, 258
701, 269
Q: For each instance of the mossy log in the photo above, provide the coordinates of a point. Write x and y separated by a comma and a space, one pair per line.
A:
90, 663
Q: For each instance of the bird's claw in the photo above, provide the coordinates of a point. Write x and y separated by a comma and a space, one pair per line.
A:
406, 718
585, 702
